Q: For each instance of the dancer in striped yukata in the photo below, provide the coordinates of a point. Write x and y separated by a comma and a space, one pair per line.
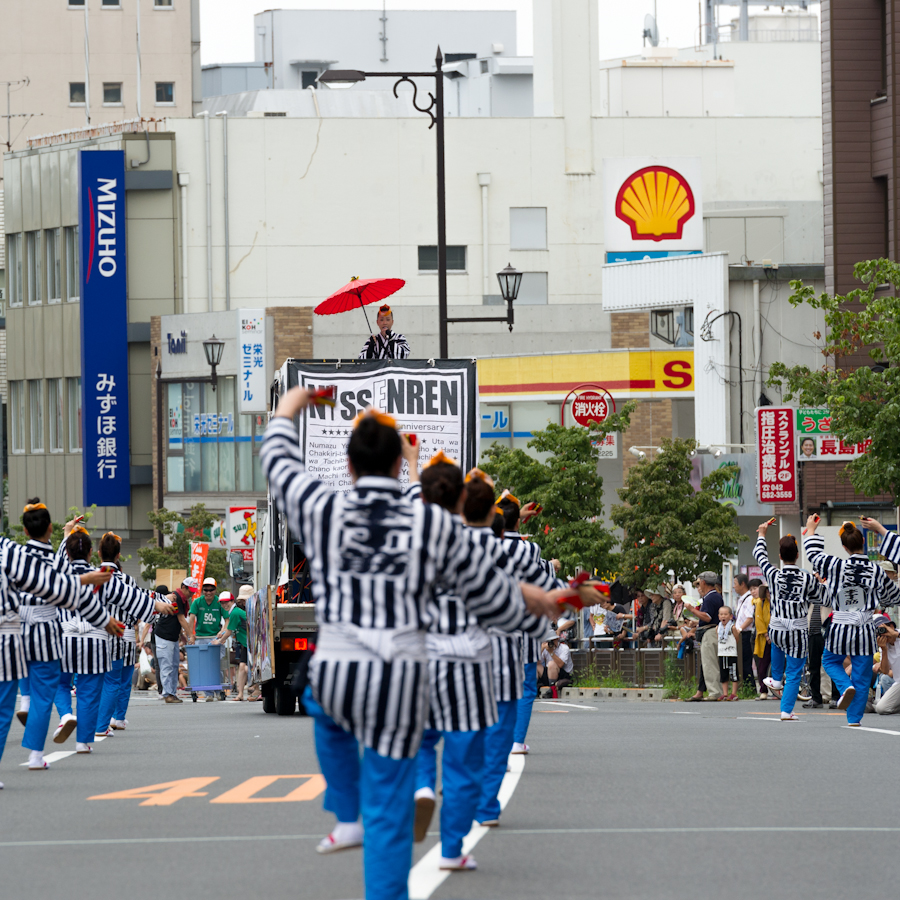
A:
24, 572
117, 683
854, 588
530, 649
463, 704
42, 637
520, 559
386, 344
86, 648
375, 556
793, 589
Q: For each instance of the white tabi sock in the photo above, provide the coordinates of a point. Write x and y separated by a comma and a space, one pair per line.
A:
25, 703
345, 832
35, 759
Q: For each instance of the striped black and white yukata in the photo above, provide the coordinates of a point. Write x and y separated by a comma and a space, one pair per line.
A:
792, 589
389, 346
86, 647
855, 587
518, 559
124, 647
375, 556
22, 572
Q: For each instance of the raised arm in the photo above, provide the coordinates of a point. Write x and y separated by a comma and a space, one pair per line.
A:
292, 487
133, 600
761, 554
28, 573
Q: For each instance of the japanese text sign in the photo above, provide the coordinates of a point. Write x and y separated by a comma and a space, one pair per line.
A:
589, 407
251, 347
241, 527
199, 554
817, 443
777, 477
104, 328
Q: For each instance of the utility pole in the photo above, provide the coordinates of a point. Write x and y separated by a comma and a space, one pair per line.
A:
10, 87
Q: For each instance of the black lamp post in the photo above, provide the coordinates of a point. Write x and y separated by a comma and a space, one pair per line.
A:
436, 103
213, 348
510, 280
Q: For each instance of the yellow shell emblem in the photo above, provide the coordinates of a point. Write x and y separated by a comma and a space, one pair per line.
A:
655, 202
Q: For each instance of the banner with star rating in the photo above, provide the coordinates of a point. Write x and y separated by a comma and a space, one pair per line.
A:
437, 400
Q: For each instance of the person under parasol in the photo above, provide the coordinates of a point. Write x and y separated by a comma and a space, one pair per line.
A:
387, 344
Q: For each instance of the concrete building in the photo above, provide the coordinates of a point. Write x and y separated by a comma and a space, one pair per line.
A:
80, 60
315, 200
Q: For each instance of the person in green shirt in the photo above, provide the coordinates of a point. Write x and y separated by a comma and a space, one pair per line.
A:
206, 618
237, 626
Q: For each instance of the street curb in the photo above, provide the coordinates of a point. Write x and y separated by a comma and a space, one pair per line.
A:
619, 694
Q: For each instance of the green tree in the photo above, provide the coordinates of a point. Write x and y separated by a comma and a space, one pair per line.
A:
864, 403
669, 525
176, 554
567, 486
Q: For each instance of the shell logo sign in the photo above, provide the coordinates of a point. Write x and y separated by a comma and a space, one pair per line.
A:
652, 207
655, 202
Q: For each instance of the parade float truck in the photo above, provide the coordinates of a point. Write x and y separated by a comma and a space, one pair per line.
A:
434, 399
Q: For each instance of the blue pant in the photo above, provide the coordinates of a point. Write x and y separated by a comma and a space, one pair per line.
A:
860, 678
124, 692
462, 765
63, 698
8, 690
526, 704
90, 687
25, 686
498, 740
383, 789
44, 678
117, 680
788, 669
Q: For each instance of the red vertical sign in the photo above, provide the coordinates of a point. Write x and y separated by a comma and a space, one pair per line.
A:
776, 454
199, 553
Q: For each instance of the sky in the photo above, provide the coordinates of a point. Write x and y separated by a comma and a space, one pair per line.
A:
226, 26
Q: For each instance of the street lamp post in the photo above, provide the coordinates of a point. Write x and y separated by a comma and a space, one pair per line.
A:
436, 103
213, 348
510, 280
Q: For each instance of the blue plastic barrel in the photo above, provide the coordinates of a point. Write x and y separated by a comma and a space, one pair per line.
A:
203, 667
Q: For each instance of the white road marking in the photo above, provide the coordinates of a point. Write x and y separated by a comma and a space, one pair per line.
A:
163, 840
754, 829
62, 754
425, 877
685, 714
757, 719
561, 703
864, 728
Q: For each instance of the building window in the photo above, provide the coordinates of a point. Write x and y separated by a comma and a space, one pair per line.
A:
528, 228
484, 66
72, 274
36, 409
428, 259
55, 410
33, 267
308, 79
76, 93
211, 447
112, 93
165, 93
78, 3
662, 324
14, 268
73, 387
533, 289
689, 320
52, 252
16, 417
162, 4
115, 3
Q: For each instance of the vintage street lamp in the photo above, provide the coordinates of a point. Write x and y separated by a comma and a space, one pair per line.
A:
213, 348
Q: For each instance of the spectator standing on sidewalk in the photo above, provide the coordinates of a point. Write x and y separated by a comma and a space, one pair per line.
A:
708, 614
206, 621
743, 620
168, 629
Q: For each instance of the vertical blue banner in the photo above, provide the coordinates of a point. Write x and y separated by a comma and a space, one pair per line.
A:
104, 328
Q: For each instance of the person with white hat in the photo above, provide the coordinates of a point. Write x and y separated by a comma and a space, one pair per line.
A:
168, 629
237, 627
206, 618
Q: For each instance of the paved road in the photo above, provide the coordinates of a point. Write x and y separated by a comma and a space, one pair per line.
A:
623, 800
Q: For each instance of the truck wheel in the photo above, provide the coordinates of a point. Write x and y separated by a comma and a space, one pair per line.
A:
268, 695
285, 701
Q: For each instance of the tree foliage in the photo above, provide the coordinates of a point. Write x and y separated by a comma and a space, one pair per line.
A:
864, 403
176, 554
567, 486
669, 525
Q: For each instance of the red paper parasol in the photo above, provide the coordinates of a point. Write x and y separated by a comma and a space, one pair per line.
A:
359, 293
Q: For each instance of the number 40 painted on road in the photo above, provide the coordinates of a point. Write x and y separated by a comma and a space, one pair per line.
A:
168, 792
